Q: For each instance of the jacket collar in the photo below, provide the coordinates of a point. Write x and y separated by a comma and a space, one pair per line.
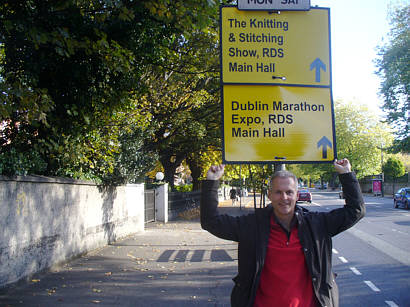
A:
269, 209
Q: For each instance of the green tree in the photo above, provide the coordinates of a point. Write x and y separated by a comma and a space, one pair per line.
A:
393, 168
182, 103
311, 173
360, 136
70, 68
131, 163
199, 163
394, 69
405, 158
184, 135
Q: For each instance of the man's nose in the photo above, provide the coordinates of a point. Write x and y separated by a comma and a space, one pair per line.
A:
283, 195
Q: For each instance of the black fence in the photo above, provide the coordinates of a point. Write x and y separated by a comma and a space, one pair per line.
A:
403, 179
179, 202
149, 202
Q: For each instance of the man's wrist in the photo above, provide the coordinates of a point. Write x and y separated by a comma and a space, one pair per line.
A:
343, 173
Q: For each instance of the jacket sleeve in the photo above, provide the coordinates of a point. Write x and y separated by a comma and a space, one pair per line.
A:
354, 209
221, 225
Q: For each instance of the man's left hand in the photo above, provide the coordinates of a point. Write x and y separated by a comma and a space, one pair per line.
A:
342, 166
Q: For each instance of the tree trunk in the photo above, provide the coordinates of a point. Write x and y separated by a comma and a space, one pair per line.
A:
170, 168
196, 171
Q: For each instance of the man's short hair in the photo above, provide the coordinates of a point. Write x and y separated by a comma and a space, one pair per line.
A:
283, 174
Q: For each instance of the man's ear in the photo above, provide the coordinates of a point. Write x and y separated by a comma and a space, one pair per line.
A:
269, 193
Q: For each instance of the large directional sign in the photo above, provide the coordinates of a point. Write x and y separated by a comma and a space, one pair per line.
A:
290, 48
276, 86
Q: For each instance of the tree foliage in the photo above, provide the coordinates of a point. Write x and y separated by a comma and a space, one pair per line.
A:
310, 173
393, 168
394, 68
182, 103
360, 137
71, 73
405, 158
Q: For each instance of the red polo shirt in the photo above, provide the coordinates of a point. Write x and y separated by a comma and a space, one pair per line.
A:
285, 279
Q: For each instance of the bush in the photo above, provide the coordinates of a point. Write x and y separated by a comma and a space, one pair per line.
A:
183, 188
393, 168
13, 163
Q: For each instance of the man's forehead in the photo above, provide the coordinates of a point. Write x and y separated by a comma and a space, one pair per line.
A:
283, 180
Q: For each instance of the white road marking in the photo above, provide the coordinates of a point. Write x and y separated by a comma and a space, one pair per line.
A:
370, 203
387, 248
391, 304
316, 204
343, 259
334, 251
399, 231
371, 286
356, 271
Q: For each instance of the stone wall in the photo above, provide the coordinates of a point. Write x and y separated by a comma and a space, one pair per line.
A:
45, 221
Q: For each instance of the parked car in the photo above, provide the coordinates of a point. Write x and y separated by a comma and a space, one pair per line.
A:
402, 198
304, 195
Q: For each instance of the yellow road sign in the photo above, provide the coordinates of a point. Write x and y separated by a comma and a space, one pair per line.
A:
277, 123
261, 47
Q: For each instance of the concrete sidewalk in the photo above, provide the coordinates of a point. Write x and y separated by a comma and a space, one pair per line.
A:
173, 264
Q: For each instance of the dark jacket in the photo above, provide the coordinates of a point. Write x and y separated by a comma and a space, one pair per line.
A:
315, 230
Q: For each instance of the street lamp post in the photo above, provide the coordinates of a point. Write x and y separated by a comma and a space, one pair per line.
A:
159, 176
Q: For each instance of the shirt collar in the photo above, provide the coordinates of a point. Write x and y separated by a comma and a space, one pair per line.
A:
293, 223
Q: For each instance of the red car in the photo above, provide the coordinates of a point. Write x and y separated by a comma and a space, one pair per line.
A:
304, 195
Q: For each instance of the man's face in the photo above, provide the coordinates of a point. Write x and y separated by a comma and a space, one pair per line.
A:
283, 195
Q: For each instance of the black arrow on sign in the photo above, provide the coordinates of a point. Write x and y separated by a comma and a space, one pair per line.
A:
324, 143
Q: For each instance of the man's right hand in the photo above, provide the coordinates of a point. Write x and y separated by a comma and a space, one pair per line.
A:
215, 172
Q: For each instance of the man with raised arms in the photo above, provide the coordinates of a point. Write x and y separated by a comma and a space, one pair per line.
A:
284, 251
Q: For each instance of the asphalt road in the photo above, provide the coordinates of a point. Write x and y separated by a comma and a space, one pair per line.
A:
372, 259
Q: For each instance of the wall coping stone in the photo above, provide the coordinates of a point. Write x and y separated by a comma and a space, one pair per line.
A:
46, 179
